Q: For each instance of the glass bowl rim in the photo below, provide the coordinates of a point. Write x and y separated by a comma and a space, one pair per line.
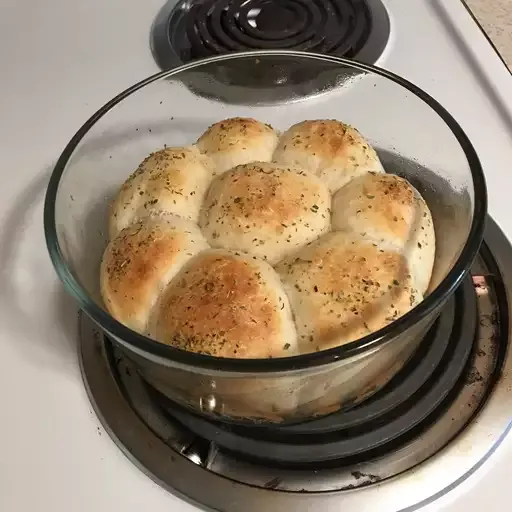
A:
147, 345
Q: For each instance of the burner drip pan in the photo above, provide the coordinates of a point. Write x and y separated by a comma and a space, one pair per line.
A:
192, 29
433, 426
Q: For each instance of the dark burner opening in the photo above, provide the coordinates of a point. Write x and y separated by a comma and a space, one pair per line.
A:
189, 30
283, 18
411, 402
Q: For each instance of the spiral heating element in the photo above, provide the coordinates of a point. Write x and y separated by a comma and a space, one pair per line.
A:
337, 27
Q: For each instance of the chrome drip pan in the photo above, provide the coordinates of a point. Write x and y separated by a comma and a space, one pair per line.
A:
410, 474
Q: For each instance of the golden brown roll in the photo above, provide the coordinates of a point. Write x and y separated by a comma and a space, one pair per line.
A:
139, 263
226, 304
172, 180
265, 210
195, 230
334, 151
238, 141
343, 287
388, 210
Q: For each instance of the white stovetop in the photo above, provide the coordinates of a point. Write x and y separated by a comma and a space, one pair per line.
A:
59, 61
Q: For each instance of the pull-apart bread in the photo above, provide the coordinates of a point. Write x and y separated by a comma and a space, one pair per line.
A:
254, 244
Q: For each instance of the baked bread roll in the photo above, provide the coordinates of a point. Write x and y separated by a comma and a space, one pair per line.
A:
238, 141
225, 304
265, 210
140, 262
195, 231
388, 210
343, 287
172, 180
334, 151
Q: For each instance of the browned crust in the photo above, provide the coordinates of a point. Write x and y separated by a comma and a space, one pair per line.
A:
225, 134
133, 267
221, 305
265, 194
342, 288
386, 201
327, 137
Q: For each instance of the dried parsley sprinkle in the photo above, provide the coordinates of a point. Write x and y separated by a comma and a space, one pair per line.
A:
286, 346
395, 282
314, 208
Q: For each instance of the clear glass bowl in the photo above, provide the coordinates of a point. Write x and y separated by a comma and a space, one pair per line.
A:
414, 136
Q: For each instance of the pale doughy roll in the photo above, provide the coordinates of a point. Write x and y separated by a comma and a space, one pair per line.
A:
265, 210
140, 262
225, 304
238, 141
343, 287
169, 181
388, 210
334, 151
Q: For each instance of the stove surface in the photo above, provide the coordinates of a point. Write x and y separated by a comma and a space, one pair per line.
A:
60, 62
